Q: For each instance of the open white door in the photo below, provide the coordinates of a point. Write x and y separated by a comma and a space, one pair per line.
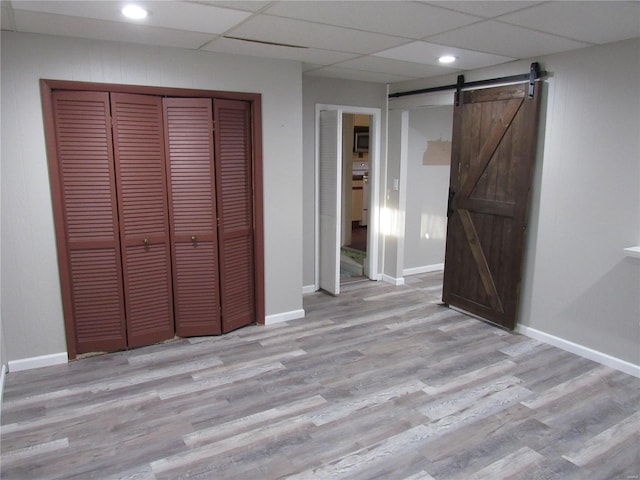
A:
330, 173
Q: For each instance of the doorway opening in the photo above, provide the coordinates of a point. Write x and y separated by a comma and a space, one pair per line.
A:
355, 197
347, 199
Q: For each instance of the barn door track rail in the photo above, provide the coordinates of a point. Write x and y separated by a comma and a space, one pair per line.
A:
534, 74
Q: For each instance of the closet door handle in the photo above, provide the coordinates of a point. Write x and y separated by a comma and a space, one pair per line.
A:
194, 239
146, 242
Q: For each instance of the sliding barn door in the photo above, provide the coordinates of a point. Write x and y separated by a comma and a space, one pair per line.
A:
494, 139
84, 197
234, 190
138, 137
330, 175
192, 213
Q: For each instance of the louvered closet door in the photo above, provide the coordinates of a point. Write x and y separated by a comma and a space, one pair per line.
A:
92, 288
234, 192
138, 137
192, 215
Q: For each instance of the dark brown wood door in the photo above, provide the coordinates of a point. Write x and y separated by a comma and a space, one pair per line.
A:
234, 190
192, 215
84, 195
494, 139
138, 137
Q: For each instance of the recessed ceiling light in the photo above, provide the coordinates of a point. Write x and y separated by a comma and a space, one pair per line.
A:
447, 59
134, 11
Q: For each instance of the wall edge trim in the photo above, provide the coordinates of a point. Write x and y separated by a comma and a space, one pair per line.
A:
393, 280
284, 316
37, 362
436, 267
3, 371
581, 350
308, 289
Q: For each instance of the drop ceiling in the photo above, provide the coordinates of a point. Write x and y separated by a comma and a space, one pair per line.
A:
376, 41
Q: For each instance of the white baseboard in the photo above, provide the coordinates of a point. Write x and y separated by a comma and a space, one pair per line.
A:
308, 289
284, 316
393, 280
586, 352
37, 362
436, 267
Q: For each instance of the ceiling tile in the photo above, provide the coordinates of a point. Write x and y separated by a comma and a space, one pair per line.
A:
488, 9
502, 39
296, 32
178, 15
378, 41
595, 22
391, 66
65, 26
309, 55
405, 19
359, 75
249, 5
428, 53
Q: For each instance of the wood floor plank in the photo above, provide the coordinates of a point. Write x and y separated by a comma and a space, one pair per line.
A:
596, 448
341, 411
241, 425
569, 387
379, 453
447, 384
517, 464
379, 382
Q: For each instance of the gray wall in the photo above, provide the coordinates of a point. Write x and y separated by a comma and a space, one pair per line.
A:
334, 92
578, 285
31, 300
427, 190
3, 350
392, 220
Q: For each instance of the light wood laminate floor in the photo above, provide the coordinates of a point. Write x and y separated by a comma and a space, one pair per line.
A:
378, 383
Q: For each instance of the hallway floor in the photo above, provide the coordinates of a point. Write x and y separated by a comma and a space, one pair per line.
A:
358, 238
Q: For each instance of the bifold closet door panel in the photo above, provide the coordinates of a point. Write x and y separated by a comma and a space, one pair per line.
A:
192, 215
138, 138
83, 184
234, 190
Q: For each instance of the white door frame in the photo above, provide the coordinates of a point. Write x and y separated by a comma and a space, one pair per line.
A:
373, 232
